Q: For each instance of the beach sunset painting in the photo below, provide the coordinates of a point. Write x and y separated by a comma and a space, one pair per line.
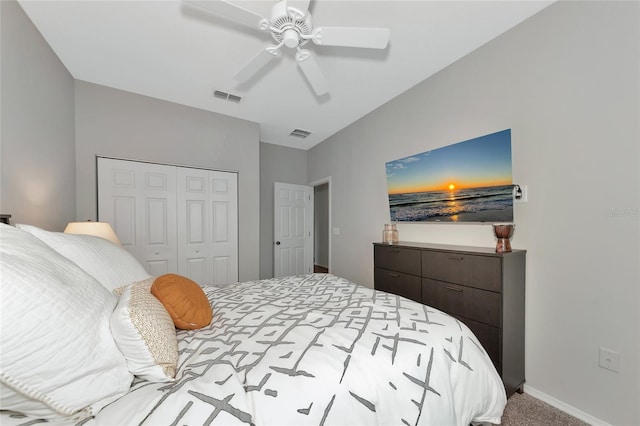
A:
469, 181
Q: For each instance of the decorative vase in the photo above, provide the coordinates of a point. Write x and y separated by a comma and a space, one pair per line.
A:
503, 234
390, 234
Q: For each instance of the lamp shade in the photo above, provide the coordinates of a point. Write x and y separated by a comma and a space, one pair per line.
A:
97, 229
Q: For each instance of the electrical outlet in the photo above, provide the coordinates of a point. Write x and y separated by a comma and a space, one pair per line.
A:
609, 359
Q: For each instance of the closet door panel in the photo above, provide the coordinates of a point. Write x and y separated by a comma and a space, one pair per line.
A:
124, 219
139, 201
157, 267
193, 245
173, 219
223, 197
117, 201
196, 269
221, 272
195, 225
220, 221
157, 234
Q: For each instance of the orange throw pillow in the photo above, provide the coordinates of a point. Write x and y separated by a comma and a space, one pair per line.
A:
184, 299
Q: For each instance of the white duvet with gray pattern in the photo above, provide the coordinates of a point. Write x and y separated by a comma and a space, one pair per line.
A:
317, 350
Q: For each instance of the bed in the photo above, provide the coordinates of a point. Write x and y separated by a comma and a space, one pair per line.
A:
303, 350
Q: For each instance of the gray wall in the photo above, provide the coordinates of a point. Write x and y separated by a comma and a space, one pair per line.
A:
120, 124
277, 164
37, 146
566, 82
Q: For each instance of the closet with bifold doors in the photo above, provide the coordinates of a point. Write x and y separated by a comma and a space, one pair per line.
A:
173, 219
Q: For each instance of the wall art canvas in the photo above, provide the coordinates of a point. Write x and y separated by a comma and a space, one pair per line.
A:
469, 181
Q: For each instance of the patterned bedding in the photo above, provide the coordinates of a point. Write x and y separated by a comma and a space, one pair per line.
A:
317, 350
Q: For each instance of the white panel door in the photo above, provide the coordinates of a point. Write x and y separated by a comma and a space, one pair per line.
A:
173, 219
139, 201
194, 248
223, 200
293, 229
208, 226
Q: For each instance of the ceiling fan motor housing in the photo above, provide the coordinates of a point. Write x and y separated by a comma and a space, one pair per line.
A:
287, 29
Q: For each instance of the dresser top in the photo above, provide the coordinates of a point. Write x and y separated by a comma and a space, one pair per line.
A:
488, 251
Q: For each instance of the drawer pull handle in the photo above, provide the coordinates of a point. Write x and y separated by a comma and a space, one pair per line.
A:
459, 290
456, 258
394, 251
393, 275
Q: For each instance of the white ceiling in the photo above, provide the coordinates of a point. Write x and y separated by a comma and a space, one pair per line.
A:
172, 51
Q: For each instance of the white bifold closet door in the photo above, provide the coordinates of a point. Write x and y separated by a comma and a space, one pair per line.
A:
208, 225
173, 219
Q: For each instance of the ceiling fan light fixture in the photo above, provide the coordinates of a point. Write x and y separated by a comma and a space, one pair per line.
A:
290, 38
284, 29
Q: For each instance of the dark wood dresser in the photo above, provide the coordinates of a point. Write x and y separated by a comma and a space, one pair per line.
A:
482, 288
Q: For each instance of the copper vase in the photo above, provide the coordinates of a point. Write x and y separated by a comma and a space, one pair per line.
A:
503, 234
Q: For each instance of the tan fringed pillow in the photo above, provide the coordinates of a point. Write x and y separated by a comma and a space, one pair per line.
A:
184, 299
144, 333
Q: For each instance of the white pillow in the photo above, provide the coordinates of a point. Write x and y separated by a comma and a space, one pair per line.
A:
112, 265
59, 359
145, 333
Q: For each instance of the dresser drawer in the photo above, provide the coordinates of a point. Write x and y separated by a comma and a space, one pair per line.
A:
460, 268
489, 338
398, 283
479, 305
397, 259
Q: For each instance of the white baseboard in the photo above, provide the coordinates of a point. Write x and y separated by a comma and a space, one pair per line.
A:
564, 407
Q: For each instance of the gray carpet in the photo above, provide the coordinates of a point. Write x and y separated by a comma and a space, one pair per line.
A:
525, 410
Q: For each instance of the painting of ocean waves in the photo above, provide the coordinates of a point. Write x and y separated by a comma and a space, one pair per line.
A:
486, 204
469, 181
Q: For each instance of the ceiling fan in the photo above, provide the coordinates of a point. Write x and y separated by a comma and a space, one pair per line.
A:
290, 26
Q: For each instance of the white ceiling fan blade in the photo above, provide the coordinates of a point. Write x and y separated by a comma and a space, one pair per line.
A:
230, 11
371, 38
257, 63
312, 72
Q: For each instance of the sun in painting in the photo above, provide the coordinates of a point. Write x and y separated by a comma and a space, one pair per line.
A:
451, 187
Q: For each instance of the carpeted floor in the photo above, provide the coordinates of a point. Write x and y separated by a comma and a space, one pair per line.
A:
525, 410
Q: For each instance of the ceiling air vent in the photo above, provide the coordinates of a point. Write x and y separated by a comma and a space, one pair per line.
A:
226, 96
300, 133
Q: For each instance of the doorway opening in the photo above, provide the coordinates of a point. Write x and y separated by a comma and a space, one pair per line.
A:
322, 225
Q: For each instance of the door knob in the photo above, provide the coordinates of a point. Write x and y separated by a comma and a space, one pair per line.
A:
277, 243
